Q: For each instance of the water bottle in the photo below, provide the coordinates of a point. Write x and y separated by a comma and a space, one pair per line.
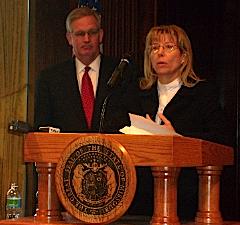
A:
13, 204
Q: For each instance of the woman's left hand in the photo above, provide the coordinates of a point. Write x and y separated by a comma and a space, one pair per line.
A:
167, 123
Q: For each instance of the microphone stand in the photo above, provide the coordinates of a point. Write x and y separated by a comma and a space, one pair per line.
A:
103, 113
112, 85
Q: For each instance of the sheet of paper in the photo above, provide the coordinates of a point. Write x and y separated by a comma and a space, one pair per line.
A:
141, 125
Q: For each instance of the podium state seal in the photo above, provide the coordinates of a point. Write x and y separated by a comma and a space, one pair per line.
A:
95, 179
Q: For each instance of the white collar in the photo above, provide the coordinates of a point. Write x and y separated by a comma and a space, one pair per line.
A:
94, 65
175, 84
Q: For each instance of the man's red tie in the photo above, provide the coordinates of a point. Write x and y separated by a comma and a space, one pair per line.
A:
87, 96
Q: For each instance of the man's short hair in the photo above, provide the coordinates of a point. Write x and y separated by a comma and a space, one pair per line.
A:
80, 13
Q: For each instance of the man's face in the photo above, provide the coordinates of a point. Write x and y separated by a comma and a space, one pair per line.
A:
85, 39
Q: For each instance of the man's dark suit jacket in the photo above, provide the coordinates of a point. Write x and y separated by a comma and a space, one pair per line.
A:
58, 101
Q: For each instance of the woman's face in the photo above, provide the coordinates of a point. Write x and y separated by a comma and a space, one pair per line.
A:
166, 58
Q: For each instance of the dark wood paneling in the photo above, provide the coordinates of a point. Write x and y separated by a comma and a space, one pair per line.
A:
126, 24
214, 30
47, 45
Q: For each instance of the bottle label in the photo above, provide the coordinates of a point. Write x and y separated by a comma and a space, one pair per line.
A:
14, 202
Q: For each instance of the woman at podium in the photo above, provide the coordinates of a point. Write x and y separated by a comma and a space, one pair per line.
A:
174, 96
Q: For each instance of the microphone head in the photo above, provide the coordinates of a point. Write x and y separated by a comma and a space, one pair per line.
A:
17, 126
127, 56
117, 73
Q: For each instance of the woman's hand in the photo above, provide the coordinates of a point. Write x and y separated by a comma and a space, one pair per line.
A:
167, 123
149, 118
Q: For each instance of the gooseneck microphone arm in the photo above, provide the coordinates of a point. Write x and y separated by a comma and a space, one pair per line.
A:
103, 113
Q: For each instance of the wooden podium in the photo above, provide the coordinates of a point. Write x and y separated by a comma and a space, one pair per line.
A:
164, 154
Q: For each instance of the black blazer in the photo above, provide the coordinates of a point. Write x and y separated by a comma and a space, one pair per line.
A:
58, 102
194, 112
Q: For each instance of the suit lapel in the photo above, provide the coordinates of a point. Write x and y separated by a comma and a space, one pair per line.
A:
149, 102
73, 94
181, 100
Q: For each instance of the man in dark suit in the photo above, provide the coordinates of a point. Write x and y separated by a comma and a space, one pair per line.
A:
59, 98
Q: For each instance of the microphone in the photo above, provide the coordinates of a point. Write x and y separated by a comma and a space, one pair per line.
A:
20, 127
112, 82
117, 73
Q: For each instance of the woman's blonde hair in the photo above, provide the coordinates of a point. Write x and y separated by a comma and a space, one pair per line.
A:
188, 76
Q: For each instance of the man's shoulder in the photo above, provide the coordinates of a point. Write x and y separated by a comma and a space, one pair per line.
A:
59, 68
